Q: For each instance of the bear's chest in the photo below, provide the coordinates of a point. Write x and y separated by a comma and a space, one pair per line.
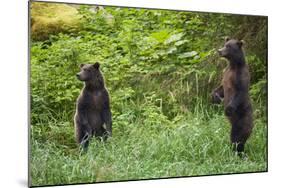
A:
94, 101
229, 79
97, 100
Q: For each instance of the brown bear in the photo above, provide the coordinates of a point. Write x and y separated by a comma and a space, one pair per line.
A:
93, 115
234, 92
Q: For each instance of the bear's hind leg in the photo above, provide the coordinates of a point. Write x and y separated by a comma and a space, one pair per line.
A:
101, 134
240, 132
105, 133
83, 138
85, 141
236, 138
238, 147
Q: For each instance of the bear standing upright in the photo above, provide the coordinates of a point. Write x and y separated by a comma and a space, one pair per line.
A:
93, 115
234, 91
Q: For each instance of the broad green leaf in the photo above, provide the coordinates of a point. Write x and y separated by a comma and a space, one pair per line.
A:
188, 54
174, 38
171, 50
181, 42
161, 36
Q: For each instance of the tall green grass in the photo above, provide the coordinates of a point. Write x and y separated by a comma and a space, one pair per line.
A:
191, 144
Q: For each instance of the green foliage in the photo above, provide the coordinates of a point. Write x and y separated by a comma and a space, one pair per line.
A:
142, 148
160, 68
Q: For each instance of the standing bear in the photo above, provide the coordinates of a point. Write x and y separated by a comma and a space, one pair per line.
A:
93, 115
234, 92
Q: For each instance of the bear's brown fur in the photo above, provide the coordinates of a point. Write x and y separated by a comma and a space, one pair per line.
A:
234, 92
93, 115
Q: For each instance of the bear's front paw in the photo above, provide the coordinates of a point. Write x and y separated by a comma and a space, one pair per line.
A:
229, 110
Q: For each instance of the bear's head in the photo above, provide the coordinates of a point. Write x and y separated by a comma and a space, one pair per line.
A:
89, 72
232, 49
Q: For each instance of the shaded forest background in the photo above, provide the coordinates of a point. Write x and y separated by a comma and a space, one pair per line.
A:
160, 67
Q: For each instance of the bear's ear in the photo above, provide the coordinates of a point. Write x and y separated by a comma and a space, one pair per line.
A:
81, 65
226, 38
240, 43
96, 65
